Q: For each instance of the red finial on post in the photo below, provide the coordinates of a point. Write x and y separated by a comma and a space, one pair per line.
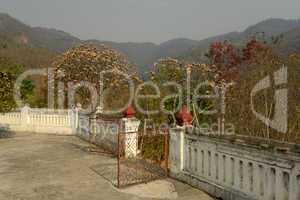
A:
129, 112
184, 117
189, 68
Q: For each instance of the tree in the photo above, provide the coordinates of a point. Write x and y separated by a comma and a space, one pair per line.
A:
259, 60
175, 71
30, 94
27, 92
86, 63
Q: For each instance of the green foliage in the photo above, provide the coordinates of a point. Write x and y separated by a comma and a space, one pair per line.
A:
10, 70
168, 70
153, 148
238, 109
6, 92
27, 92
172, 97
9, 66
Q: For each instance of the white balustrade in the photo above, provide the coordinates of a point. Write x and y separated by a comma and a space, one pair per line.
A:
10, 118
244, 173
39, 120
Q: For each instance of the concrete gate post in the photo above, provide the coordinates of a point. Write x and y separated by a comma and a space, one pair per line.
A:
93, 127
25, 119
176, 149
130, 126
177, 140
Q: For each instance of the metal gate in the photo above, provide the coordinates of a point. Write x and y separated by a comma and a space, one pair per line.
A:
149, 163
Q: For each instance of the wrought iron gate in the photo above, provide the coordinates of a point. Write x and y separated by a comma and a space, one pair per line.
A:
125, 170
142, 168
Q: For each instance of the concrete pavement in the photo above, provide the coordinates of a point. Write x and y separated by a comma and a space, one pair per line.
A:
52, 167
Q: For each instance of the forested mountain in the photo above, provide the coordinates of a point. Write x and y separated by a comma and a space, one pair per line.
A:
145, 54
287, 30
37, 46
291, 41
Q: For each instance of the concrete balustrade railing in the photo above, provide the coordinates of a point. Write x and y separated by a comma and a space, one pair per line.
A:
10, 118
40, 121
233, 170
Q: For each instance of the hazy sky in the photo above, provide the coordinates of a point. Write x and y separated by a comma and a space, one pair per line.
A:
148, 20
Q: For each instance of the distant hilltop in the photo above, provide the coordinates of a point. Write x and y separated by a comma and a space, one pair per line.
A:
14, 33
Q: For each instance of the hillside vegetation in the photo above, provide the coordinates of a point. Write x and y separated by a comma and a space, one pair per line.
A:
44, 42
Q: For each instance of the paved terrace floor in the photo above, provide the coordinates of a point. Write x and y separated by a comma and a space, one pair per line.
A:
51, 167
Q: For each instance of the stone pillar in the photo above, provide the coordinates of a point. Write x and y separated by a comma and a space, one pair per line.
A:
93, 127
177, 140
25, 120
73, 118
130, 127
294, 185
176, 149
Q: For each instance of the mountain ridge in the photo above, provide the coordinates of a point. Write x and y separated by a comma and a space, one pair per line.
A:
144, 54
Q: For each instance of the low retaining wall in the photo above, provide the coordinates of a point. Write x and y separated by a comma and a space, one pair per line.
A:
108, 133
40, 121
83, 129
234, 170
100, 132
